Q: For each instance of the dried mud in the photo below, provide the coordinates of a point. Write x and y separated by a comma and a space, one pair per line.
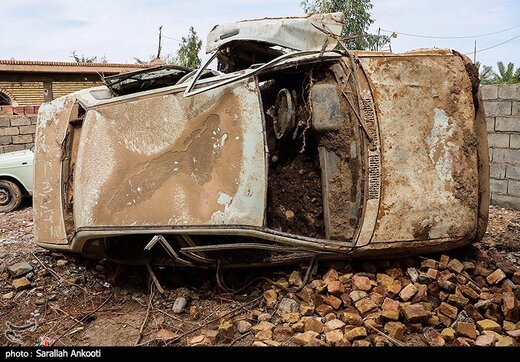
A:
294, 197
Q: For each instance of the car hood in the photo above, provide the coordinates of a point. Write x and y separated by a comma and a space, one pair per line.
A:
16, 158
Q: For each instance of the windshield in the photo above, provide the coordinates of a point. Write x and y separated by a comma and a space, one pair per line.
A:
147, 79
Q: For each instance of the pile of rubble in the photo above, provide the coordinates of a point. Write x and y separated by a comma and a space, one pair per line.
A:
443, 302
468, 297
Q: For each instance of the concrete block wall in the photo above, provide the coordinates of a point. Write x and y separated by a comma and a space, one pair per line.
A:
16, 132
502, 109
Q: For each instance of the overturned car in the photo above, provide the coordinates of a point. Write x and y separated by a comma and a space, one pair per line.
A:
294, 147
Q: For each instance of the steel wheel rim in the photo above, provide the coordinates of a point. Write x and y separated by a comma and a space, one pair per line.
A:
5, 196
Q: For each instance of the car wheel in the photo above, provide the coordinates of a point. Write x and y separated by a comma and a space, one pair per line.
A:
10, 196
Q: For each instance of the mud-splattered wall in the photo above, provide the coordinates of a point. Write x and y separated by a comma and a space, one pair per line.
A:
502, 108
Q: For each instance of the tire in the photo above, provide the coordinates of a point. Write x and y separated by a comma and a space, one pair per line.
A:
10, 196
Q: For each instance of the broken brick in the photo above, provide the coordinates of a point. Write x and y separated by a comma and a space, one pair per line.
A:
377, 298
365, 305
432, 273
448, 334
313, 324
395, 330
415, 313
448, 310
333, 336
456, 266
308, 339
505, 342
355, 333
384, 279
485, 340
496, 277
466, 329
306, 309
334, 324
468, 292
333, 301
270, 297
482, 271
390, 309
331, 275
323, 309
489, 325
335, 287
21, 284
394, 289
408, 292
510, 307
282, 333
434, 339
361, 283
357, 295
352, 318
458, 300
429, 263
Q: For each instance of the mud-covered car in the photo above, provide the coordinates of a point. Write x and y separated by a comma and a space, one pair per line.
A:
293, 147
16, 178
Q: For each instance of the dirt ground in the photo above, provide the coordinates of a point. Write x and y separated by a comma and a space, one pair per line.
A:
74, 301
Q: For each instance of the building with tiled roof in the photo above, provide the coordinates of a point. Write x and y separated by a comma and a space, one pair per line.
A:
31, 83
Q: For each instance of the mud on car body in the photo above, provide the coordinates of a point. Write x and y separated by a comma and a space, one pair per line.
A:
290, 149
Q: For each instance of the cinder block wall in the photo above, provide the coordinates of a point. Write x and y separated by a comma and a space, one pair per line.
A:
502, 108
16, 132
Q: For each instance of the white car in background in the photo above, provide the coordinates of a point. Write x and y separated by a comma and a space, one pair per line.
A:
16, 178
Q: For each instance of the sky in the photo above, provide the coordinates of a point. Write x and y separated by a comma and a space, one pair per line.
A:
122, 30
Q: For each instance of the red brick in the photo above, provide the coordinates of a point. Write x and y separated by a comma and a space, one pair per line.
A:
6, 110
28, 110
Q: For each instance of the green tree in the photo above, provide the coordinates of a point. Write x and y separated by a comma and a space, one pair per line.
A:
357, 21
487, 75
188, 53
507, 75
85, 59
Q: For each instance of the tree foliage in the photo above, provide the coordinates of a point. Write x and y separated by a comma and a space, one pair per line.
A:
505, 75
358, 19
85, 59
188, 53
486, 73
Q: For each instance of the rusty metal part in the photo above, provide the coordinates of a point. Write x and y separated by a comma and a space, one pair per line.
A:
297, 33
284, 114
197, 257
243, 246
51, 131
168, 248
438, 154
282, 60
